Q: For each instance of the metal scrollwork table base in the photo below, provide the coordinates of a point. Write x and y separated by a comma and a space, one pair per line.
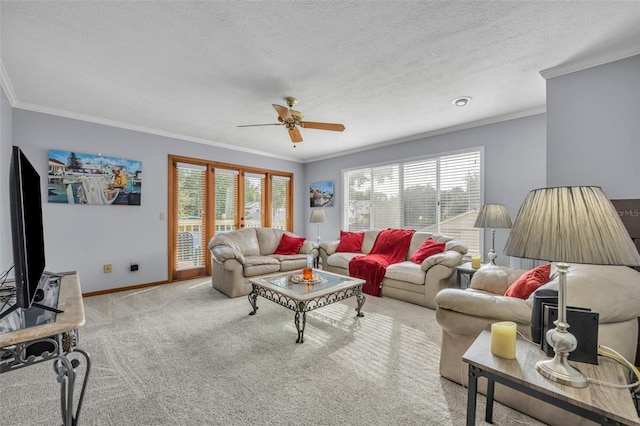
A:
304, 297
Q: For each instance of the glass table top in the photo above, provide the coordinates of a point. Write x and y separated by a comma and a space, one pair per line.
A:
33, 316
286, 282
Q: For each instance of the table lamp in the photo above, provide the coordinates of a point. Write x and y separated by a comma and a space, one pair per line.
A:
569, 225
493, 216
317, 216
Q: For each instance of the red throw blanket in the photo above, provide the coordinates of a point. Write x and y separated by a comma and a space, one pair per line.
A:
391, 247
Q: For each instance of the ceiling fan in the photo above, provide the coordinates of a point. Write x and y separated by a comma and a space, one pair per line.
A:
293, 119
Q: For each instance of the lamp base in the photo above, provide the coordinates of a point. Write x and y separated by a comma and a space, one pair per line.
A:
557, 369
492, 256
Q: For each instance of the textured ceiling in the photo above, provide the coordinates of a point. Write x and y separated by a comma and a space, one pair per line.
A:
387, 70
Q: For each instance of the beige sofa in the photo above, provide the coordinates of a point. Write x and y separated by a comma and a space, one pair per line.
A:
406, 280
238, 256
612, 291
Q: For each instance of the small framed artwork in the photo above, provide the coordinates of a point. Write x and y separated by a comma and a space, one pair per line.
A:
321, 194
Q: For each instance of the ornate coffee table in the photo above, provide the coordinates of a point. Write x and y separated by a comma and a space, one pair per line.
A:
302, 297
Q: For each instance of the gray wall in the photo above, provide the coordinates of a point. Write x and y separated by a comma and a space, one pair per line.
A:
593, 128
6, 256
514, 163
84, 237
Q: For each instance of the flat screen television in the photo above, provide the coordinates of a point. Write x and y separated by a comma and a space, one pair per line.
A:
27, 234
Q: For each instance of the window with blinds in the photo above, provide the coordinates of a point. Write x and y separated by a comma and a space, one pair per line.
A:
438, 194
280, 202
226, 199
191, 235
253, 200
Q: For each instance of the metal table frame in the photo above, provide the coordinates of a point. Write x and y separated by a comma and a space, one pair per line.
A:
301, 305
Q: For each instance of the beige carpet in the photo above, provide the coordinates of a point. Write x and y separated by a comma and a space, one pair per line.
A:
184, 354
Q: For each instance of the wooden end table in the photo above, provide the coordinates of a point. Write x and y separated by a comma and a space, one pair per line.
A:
602, 404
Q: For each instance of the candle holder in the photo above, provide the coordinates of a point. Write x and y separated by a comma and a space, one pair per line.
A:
307, 274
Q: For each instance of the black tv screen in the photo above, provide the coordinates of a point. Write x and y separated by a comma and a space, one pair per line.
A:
26, 227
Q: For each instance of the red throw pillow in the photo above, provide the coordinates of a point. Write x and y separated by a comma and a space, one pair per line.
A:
529, 282
428, 248
350, 242
289, 244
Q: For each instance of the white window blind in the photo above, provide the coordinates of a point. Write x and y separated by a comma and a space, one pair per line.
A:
280, 201
191, 184
226, 199
440, 195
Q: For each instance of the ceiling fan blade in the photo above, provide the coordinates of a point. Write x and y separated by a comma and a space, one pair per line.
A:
268, 124
322, 126
295, 135
283, 113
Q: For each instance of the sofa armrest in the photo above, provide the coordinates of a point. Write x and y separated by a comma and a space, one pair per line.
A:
494, 279
329, 247
222, 253
310, 247
484, 305
449, 258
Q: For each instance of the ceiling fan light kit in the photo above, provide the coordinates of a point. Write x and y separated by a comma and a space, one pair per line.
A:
293, 119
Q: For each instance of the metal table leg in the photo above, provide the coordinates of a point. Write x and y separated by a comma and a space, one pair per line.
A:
253, 299
66, 371
299, 326
472, 395
488, 415
361, 299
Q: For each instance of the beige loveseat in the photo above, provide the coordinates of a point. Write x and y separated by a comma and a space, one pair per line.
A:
406, 280
238, 256
612, 291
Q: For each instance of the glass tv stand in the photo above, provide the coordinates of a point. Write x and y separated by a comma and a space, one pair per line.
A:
34, 335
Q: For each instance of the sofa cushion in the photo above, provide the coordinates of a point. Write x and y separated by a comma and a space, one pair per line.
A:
529, 282
428, 248
260, 265
341, 260
350, 241
405, 271
289, 244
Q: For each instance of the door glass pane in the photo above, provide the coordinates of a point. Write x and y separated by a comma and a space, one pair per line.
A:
253, 185
191, 221
226, 200
279, 202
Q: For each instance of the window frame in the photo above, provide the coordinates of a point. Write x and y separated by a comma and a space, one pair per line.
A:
401, 164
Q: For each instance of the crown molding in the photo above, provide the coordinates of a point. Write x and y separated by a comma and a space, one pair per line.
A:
583, 64
457, 128
7, 86
142, 129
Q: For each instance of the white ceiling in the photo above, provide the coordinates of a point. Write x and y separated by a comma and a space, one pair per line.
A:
388, 70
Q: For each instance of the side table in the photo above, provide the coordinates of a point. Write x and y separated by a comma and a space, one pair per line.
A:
55, 339
464, 270
602, 404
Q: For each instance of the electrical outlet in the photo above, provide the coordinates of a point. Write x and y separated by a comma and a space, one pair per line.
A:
106, 268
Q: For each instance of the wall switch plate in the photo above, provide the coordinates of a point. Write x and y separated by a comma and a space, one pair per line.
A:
106, 268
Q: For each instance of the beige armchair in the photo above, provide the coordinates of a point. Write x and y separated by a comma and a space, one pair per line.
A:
612, 291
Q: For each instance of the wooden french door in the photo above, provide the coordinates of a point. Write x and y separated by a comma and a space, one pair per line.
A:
208, 197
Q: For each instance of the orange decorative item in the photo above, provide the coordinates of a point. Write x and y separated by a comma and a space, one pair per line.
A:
307, 274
